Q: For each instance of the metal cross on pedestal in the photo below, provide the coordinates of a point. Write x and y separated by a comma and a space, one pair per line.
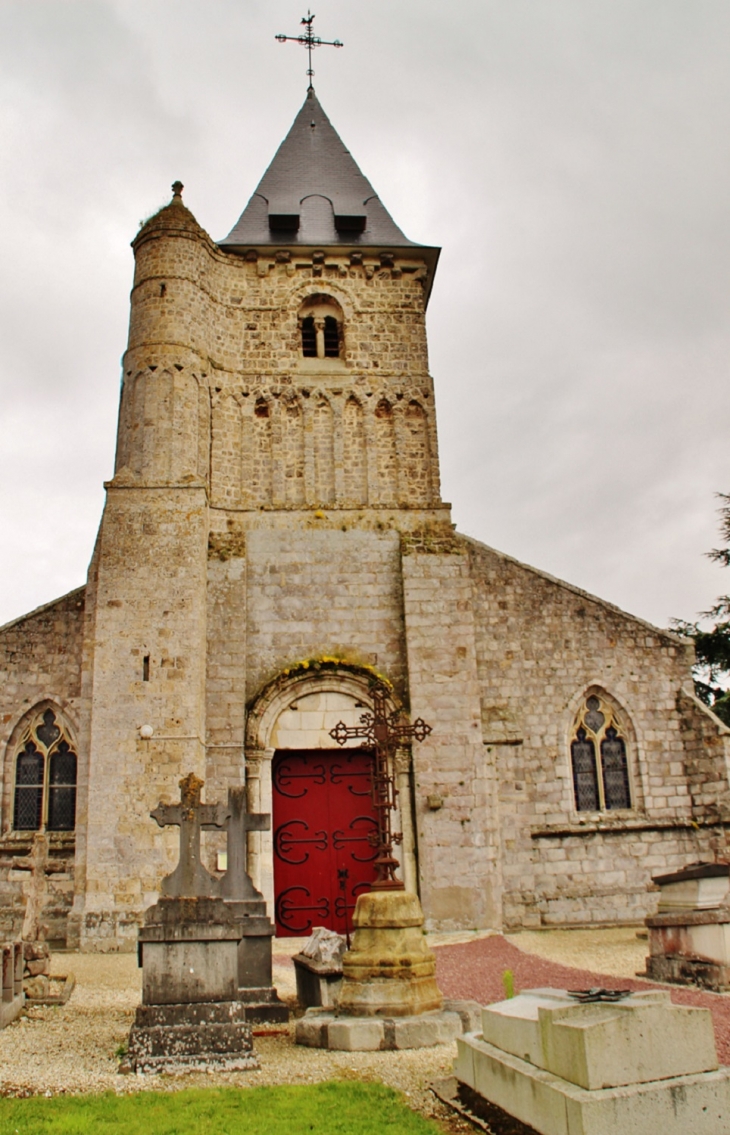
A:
309, 40
190, 878
382, 732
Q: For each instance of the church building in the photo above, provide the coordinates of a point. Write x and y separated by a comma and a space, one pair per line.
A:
273, 542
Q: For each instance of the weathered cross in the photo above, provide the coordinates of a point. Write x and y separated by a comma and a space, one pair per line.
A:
190, 878
39, 865
383, 732
236, 883
309, 40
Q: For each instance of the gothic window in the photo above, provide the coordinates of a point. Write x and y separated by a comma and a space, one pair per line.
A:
320, 327
45, 777
598, 758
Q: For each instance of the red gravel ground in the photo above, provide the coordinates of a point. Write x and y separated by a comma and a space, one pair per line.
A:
473, 971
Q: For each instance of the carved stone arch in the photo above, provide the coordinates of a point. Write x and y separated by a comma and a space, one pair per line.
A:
600, 731
301, 292
354, 452
289, 688
156, 424
415, 453
323, 451
226, 448
280, 717
257, 489
21, 731
386, 452
291, 424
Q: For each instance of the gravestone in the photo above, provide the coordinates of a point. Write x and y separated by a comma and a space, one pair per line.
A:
318, 968
639, 1065
689, 937
255, 988
35, 950
191, 1016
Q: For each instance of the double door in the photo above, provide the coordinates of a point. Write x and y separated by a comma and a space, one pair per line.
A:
324, 827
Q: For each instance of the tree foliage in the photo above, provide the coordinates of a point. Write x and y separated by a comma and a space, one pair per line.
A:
712, 646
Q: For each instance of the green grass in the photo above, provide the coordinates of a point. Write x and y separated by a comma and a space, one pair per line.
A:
334, 1108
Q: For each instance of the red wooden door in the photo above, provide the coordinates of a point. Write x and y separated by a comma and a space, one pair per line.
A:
323, 818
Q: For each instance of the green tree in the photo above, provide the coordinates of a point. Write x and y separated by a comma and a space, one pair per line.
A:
712, 646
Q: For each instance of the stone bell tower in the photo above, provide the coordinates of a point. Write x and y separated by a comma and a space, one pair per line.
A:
274, 383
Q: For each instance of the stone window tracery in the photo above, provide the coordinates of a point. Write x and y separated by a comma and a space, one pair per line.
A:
599, 758
45, 776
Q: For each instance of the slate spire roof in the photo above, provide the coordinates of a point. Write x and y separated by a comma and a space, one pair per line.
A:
313, 194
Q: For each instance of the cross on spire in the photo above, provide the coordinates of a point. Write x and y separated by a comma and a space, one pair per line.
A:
309, 40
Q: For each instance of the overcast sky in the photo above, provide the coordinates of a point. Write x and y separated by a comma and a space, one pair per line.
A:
570, 156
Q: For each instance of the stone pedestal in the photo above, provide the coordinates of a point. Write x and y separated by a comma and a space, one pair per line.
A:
689, 938
255, 988
390, 971
641, 1065
389, 998
248, 907
191, 1015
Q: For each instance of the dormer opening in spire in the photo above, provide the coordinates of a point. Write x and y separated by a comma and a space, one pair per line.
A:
313, 195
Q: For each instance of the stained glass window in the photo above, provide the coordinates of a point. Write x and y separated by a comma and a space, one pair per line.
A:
45, 777
615, 770
585, 779
29, 769
599, 759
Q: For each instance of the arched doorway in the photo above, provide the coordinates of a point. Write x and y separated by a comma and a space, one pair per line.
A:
319, 797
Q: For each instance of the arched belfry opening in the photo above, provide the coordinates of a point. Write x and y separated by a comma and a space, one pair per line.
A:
321, 328
318, 856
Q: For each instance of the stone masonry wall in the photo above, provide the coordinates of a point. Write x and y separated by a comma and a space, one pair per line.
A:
284, 431
40, 661
312, 594
541, 645
454, 786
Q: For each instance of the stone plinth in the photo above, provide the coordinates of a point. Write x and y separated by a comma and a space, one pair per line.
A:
191, 1015
689, 939
325, 1028
190, 1037
389, 972
389, 998
641, 1065
255, 988
188, 950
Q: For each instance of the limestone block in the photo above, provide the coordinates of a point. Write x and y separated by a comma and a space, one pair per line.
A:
698, 1103
603, 1045
356, 1034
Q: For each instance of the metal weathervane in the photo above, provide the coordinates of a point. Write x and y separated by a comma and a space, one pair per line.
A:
309, 40
383, 732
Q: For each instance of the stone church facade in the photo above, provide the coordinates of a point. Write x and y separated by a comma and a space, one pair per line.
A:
273, 538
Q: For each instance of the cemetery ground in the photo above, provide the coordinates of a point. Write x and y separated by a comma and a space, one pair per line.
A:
75, 1050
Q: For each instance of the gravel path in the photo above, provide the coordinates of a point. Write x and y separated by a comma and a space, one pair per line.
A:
72, 1048
474, 970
